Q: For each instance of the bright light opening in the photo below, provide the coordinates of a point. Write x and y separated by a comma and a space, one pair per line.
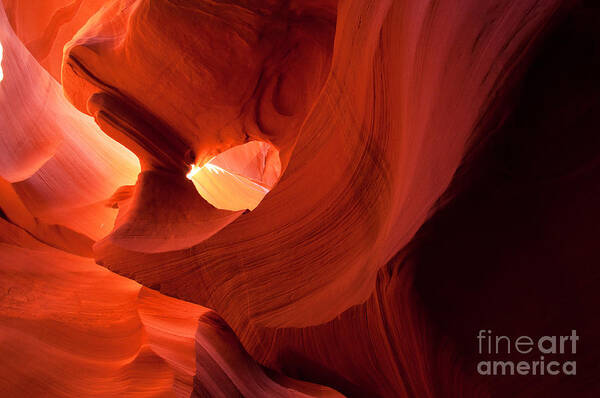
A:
239, 178
193, 171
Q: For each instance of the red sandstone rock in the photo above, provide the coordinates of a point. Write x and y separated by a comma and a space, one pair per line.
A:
405, 182
63, 168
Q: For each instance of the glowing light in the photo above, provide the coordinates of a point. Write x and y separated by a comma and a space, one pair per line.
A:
193, 171
1, 72
237, 179
213, 168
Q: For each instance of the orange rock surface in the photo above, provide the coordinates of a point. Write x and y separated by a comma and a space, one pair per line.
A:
304, 198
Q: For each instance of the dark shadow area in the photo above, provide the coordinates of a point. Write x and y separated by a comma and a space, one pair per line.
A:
516, 246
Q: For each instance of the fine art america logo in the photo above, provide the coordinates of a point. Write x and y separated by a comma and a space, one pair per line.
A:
491, 345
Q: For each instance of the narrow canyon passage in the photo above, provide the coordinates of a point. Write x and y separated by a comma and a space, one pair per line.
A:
312, 198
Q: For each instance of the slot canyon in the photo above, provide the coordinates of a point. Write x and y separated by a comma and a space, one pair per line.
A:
299, 198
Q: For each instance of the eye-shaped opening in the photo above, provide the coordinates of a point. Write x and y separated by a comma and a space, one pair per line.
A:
239, 178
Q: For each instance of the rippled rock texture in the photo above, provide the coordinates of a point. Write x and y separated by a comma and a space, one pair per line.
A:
321, 198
